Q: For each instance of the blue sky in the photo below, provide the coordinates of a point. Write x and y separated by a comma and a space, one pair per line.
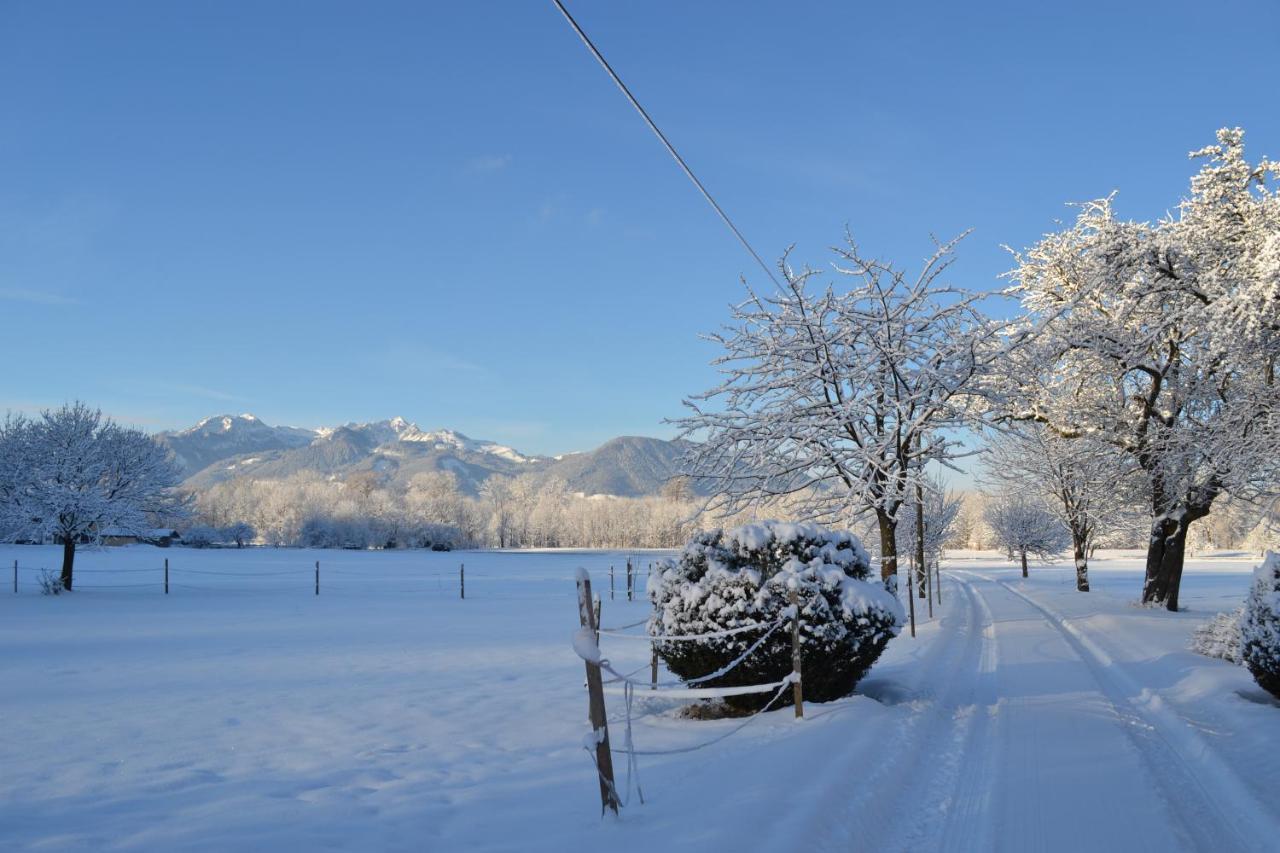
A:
322, 212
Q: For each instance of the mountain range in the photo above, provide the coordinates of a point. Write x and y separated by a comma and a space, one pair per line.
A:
230, 446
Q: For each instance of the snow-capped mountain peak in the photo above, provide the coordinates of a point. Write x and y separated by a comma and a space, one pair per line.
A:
226, 446
226, 424
450, 439
399, 429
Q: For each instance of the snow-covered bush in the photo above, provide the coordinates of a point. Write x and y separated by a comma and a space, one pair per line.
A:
740, 577
50, 584
1220, 637
1260, 625
201, 536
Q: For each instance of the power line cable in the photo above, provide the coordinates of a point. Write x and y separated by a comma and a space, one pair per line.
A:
671, 149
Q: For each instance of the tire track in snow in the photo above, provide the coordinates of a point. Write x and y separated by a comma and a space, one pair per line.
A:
968, 822
903, 799
1214, 809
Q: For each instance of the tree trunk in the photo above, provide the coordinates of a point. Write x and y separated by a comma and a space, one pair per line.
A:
1166, 553
888, 551
1024, 563
1082, 563
68, 559
921, 567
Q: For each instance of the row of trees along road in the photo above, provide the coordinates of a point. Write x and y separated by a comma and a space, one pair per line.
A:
1141, 348
1160, 342
71, 474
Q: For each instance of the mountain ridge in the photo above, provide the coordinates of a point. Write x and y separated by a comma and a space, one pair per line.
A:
223, 447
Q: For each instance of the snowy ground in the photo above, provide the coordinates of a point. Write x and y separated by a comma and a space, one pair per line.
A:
243, 712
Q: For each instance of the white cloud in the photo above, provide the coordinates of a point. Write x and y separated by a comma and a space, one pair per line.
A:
489, 163
35, 297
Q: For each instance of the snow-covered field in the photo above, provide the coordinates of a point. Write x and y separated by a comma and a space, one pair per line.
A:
242, 712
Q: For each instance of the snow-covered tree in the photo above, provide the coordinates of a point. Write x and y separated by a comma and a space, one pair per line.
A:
1162, 340
939, 510
72, 474
838, 397
970, 528
1260, 626
1265, 536
1085, 482
239, 532
500, 500
1022, 526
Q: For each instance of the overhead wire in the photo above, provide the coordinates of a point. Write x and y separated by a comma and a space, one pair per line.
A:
662, 137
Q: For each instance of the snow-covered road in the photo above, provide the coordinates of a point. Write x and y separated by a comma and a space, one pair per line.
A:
1029, 717
1027, 733
244, 712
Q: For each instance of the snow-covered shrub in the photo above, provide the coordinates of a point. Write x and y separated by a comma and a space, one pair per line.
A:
50, 584
1220, 637
437, 537
740, 577
201, 536
1260, 625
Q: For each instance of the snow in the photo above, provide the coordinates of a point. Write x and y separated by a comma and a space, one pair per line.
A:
1220, 637
584, 643
242, 712
445, 439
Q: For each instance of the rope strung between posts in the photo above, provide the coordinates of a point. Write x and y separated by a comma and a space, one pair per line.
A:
687, 638
633, 768
620, 628
630, 751
724, 670
116, 585
641, 668
175, 570
103, 571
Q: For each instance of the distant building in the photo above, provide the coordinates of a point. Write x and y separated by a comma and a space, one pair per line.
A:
161, 537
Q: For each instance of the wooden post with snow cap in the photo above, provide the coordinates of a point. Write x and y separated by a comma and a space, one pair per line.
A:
166, 575
588, 628
631, 583
797, 688
928, 581
911, 601
611, 583
462, 580
317, 577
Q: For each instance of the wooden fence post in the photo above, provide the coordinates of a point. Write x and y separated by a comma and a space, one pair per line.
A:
462, 580
317, 577
15, 577
928, 582
611, 583
166, 575
653, 666
631, 584
911, 600
797, 689
595, 707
